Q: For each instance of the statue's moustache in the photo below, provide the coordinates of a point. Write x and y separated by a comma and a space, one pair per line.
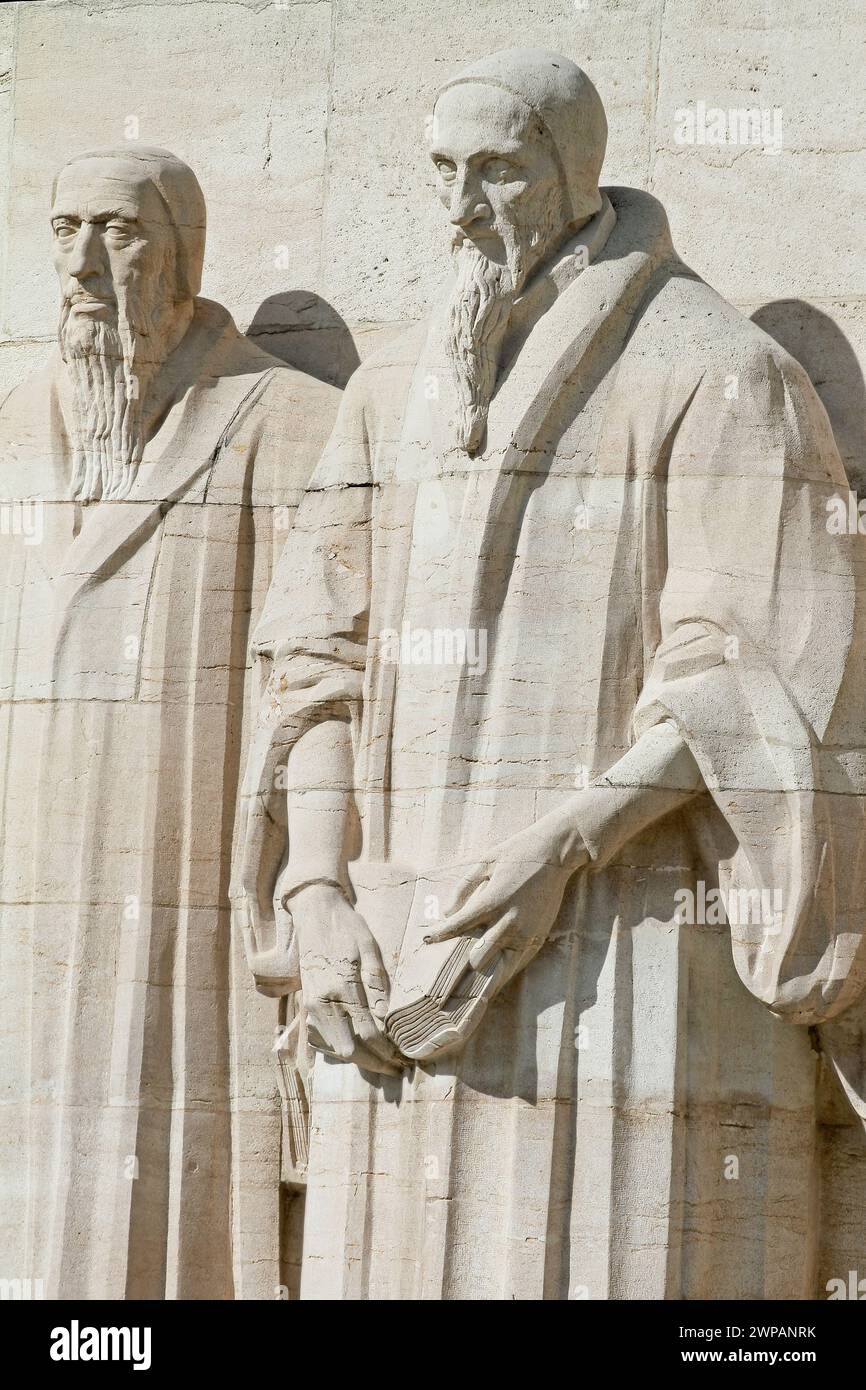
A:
77, 294
462, 241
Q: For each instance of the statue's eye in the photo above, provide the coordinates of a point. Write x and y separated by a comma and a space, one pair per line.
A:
119, 231
446, 170
499, 171
64, 231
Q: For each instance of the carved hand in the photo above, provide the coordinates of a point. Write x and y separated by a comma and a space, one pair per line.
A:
519, 894
343, 981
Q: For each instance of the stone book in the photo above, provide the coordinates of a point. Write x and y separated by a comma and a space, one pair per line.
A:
437, 999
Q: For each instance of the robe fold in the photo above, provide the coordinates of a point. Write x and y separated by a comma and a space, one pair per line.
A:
140, 1150
643, 538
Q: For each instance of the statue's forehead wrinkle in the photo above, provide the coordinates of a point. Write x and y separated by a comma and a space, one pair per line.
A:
87, 188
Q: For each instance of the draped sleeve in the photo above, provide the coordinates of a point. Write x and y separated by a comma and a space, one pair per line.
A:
761, 664
310, 650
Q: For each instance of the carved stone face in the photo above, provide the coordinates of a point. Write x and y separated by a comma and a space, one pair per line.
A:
500, 179
121, 313
112, 239
497, 173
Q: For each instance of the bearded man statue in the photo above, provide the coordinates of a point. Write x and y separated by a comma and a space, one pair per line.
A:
562, 651
147, 476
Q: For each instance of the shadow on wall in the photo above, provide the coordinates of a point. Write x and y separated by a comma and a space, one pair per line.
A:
821, 347
306, 333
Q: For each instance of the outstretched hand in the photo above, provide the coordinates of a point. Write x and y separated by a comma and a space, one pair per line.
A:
519, 887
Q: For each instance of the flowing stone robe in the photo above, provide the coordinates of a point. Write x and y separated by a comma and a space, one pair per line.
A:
643, 538
140, 1136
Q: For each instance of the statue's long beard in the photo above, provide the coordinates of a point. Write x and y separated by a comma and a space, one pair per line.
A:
477, 323
110, 368
480, 310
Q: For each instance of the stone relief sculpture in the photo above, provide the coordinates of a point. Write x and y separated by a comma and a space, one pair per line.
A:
140, 1148
553, 819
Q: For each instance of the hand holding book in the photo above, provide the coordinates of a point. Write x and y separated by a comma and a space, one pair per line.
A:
447, 974
343, 979
517, 895
367, 923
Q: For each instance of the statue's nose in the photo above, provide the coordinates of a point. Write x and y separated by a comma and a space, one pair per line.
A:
467, 204
85, 258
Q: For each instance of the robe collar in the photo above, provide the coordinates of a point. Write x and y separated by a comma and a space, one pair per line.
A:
222, 378
549, 280
579, 336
